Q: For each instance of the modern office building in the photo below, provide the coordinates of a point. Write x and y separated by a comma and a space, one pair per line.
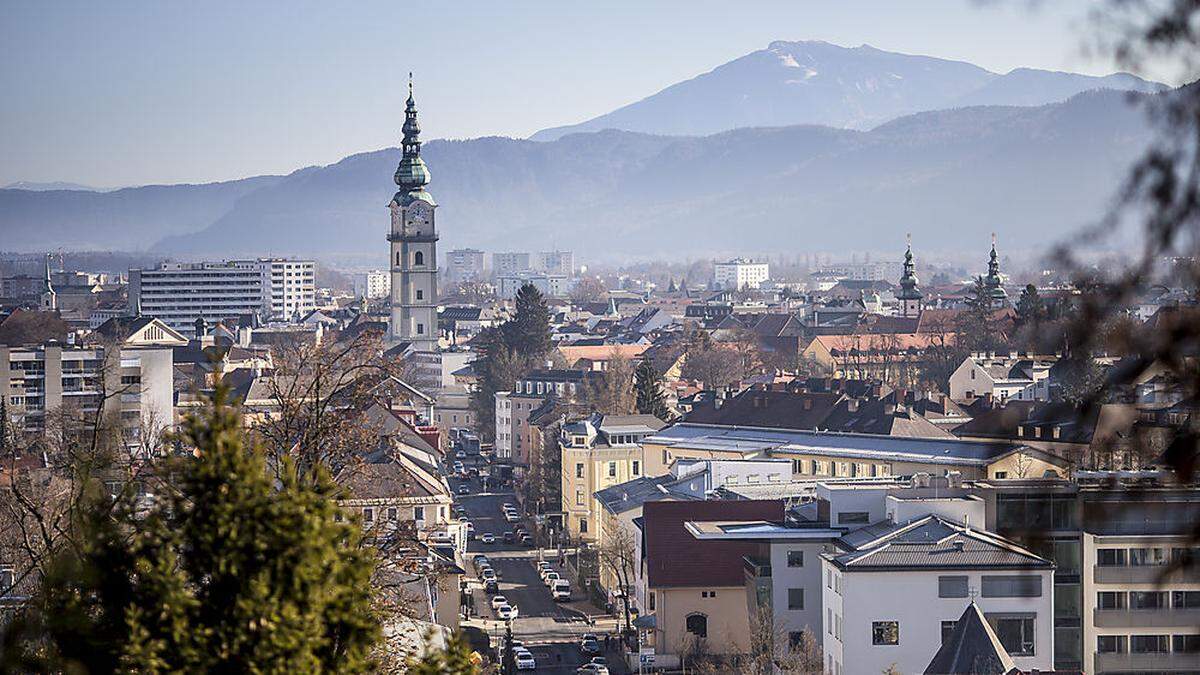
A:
464, 264
556, 262
509, 264
274, 289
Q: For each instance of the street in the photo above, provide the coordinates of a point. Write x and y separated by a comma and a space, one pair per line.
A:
550, 630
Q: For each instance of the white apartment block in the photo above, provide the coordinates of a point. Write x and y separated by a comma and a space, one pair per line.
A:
509, 264
274, 289
740, 273
464, 264
373, 284
126, 368
504, 428
556, 262
550, 285
883, 270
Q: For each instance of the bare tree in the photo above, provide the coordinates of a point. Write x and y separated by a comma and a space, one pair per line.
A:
618, 557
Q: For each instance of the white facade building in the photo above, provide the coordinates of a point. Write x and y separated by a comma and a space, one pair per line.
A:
740, 273
1005, 378
464, 264
510, 263
550, 285
556, 262
373, 284
504, 429
274, 289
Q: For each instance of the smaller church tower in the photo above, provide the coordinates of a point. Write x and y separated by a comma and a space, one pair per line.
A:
49, 302
997, 296
909, 296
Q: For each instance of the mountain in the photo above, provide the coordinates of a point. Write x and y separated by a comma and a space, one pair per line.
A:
950, 177
129, 219
820, 83
56, 185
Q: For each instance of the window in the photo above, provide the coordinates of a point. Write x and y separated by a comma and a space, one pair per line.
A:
1017, 586
885, 632
947, 630
828, 578
795, 558
1147, 600
796, 640
795, 598
131, 379
1110, 557
1181, 644
418, 258
1110, 600
798, 467
1015, 632
7, 579
612, 469
420, 329
368, 515
1147, 557
583, 525
579, 498
1185, 599
420, 294
652, 602
854, 518
829, 620
952, 587
697, 624
1148, 644
1001, 475
1111, 644
579, 471
418, 513
637, 468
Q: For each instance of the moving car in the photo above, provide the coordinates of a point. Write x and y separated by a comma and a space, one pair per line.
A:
589, 645
526, 540
499, 600
550, 578
488, 538
464, 490
592, 669
509, 538
561, 590
510, 516
506, 611
525, 660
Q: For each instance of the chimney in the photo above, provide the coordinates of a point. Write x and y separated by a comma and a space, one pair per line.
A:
852, 405
958, 544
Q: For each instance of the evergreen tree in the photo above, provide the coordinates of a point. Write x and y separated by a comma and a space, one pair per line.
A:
1031, 309
671, 288
234, 572
650, 399
976, 326
528, 332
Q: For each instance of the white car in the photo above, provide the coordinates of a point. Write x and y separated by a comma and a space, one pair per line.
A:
506, 611
499, 600
561, 590
543, 567
550, 578
488, 538
512, 517
524, 659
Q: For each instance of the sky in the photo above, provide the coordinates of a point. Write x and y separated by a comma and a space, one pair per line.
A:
128, 93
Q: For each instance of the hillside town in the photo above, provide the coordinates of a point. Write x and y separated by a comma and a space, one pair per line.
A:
846, 471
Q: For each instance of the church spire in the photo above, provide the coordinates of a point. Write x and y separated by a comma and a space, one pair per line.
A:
49, 297
412, 174
909, 295
993, 281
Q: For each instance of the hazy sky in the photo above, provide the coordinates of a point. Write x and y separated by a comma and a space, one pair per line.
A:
123, 93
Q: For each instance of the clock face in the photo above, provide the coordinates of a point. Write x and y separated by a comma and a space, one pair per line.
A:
419, 215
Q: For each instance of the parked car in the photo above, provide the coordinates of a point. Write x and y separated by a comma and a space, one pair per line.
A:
526, 540
490, 586
499, 600
592, 669
464, 490
550, 578
506, 611
511, 517
478, 559
561, 590
589, 645
488, 574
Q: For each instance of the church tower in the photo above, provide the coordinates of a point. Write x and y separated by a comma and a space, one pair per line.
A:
997, 296
413, 239
49, 299
909, 295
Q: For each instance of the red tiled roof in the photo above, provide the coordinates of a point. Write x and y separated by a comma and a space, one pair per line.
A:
675, 558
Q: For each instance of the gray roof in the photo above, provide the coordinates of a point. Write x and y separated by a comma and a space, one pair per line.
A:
932, 542
762, 440
972, 649
633, 494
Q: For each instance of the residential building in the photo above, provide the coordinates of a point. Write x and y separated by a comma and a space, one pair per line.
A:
1003, 378
510, 264
740, 273
560, 263
550, 285
464, 264
504, 426
373, 284
597, 452
124, 368
274, 289
413, 242
893, 592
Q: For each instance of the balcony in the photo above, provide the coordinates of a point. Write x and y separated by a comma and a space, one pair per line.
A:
1161, 662
1147, 574
1165, 617
756, 566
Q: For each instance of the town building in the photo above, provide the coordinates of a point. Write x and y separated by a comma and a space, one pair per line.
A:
273, 289
510, 263
740, 274
464, 264
549, 285
373, 284
558, 263
597, 452
1002, 377
413, 242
